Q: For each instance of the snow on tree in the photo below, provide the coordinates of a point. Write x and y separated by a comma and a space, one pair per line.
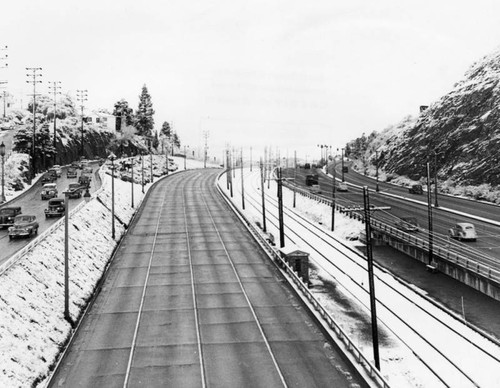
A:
144, 114
122, 109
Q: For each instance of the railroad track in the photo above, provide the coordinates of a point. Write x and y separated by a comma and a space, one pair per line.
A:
456, 371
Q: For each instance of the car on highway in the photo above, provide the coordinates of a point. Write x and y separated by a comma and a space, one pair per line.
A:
48, 178
407, 224
55, 208
74, 190
54, 173
24, 226
49, 190
71, 173
7, 215
463, 231
84, 180
416, 189
342, 187
58, 170
87, 170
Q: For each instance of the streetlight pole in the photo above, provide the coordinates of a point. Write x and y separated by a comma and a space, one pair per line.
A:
56, 89
333, 193
81, 96
343, 179
142, 172
376, 173
66, 259
35, 73
262, 175
112, 157
132, 181
294, 177
250, 159
2, 154
185, 157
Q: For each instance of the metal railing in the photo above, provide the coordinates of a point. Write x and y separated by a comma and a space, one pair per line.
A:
451, 254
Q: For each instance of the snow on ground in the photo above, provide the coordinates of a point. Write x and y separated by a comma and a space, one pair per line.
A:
342, 295
33, 330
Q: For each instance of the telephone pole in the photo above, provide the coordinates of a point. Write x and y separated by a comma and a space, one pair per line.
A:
81, 97
4, 82
35, 72
55, 88
205, 137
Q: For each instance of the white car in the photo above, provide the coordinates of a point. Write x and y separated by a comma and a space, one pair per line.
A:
49, 190
58, 170
342, 187
463, 231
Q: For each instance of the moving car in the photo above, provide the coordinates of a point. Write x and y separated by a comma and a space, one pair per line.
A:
312, 179
49, 190
58, 170
24, 226
74, 190
407, 224
71, 172
416, 189
48, 178
84, 180
54, 173
342, 187
463, 231
7, 215
56, 208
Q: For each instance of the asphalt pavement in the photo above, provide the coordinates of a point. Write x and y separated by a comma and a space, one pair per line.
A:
190, 300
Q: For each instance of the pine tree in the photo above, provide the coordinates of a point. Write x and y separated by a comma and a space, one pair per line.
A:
122, 109
166, 130
144, 115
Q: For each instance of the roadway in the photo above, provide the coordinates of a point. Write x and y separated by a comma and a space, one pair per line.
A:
487, 246
31, 203
191, 300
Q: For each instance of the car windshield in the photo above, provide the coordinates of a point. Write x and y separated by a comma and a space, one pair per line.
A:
23, 219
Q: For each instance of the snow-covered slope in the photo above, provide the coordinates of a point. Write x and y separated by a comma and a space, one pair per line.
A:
461, 128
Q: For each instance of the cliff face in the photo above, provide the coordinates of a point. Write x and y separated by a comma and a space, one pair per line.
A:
460, 132
69, 145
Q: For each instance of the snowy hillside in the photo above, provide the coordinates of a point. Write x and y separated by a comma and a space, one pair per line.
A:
459, 131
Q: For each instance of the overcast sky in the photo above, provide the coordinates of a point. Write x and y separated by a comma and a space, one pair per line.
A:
291, 74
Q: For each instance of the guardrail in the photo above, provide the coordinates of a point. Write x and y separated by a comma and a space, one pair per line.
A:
445, 253
373, 372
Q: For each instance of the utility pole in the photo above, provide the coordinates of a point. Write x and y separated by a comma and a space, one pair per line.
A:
4, 82
262, 176
205, 137
371, 281
376, 173
436, 204
294, 177
55, 89
231, 167
250, 159
343, 180
81, 96
333, 192
227, 167
35, 72
280, 208
429, 214
242, 184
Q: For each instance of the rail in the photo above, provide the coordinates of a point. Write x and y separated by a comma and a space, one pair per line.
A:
445, 253
373, 372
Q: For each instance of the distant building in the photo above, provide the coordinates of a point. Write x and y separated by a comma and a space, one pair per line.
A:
103, 120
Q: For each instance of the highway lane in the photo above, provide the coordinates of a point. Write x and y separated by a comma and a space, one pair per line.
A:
31, 203
190, 300
487, 244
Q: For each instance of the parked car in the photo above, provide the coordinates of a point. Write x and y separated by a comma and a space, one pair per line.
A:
57, 169
56, 208
49, 190
87, 171
463, 231
75, 165
48, 178
342, 187
71, 172
407, 224
24, 226
7, 215
74, 190
416, 189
